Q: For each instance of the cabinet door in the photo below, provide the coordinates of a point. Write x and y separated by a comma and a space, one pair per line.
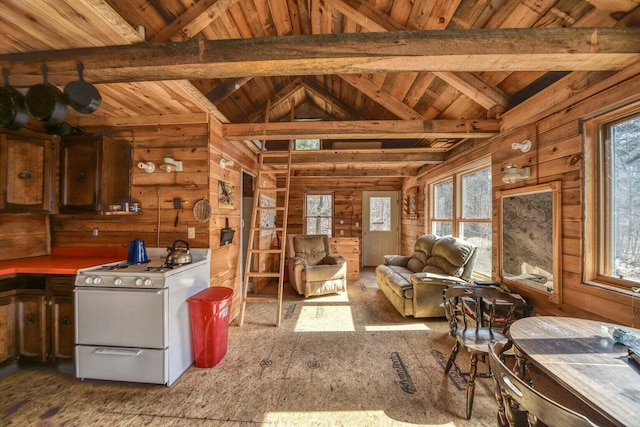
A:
7, 330
95, 173
62, 326
27, 177
32, 327
79, 175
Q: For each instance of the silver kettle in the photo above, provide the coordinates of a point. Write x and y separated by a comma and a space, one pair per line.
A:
178, 255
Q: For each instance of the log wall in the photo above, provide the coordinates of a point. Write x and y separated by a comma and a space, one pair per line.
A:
557, 155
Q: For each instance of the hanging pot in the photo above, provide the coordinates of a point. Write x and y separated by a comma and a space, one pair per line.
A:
82, 96
63, 129
13, 112
46, 102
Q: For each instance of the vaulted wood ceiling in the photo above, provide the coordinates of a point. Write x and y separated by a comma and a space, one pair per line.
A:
352, 70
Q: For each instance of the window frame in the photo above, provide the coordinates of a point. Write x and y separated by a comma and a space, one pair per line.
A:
597, 245
331, 217
457, 220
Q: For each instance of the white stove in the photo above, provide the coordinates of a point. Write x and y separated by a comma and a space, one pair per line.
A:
132, 320
153, 274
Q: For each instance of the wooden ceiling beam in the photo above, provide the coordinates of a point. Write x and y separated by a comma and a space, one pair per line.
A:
384, 157
315, 89
226, 87
512, 49
282, 96
380, 129
382, 97
468, 83
364, 171
193, 20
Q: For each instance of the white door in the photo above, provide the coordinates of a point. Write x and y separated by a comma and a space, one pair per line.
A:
380, 226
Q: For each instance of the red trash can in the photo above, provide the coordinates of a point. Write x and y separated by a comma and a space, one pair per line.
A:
209, 312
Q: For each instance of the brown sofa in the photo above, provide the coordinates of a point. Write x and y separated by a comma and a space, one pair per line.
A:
313, 270
414, 284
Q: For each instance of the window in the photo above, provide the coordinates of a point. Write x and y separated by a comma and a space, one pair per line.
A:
461, 206
319, 214
380, 214
612, 149
306, 144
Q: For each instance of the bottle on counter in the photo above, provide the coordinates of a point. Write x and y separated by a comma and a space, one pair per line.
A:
622, 336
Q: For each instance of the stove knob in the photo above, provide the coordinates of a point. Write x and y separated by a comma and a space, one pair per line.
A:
138, 281
97, 280
117, 281
88, 280
148, 282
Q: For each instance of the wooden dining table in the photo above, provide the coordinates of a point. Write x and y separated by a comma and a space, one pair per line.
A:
583, 358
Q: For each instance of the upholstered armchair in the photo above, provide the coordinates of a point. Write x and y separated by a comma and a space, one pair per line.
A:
313, 270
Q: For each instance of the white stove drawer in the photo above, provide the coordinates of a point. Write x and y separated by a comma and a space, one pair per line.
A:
122, 364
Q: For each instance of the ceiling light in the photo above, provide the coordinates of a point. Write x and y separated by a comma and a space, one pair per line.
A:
523, 146
514, 174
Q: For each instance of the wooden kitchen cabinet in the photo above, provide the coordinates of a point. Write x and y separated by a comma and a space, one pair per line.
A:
61, 317
7, 328
32, 325
27, 177
95, 172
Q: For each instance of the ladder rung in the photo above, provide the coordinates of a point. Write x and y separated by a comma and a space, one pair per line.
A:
263, 274
275, 171
267, 189
261, 299
275, 154
268, 229
271, 208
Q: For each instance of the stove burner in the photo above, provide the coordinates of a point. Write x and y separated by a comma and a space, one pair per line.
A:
113, 267
163, 267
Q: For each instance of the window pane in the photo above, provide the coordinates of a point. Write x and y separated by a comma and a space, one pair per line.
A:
306, 144
380, 214
624, 181
442, 228
443, 200
318, 225
319, 214
476, 194
480, 235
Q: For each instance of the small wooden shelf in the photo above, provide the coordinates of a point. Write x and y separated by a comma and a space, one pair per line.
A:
122, 213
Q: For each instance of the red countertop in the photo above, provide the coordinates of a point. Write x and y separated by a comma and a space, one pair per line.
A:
63, 260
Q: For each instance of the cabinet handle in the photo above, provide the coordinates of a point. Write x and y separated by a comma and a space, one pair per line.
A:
80, 177
30, 318
65, 321
24, 175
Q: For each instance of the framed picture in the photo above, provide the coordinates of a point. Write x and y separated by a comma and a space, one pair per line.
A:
226, 195
530, 238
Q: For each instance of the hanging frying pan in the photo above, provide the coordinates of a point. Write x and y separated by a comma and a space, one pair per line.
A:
13, 112
82, 96
46, 102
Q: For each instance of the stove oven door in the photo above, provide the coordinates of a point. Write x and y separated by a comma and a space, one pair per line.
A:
122, 334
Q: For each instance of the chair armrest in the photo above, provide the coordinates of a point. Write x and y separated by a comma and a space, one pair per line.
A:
298, 262
442, 279
399, 260
427, 297
333, 260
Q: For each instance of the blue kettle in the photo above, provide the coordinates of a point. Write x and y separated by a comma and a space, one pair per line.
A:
137, 252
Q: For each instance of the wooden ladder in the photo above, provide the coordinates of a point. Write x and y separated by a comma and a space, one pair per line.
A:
256, 228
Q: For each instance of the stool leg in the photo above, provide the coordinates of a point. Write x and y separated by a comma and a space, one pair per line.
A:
452, 358
471, 385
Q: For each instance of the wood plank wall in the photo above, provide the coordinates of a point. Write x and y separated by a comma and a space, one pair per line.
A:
349, 211
557, 155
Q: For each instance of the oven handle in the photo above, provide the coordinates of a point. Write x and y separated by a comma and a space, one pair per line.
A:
118, 352
109, 289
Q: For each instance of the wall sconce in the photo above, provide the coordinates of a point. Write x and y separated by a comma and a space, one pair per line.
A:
171, 165
224, 163
148, 167
514, 174
523, 146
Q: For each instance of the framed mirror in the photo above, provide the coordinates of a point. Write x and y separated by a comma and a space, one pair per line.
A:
530, 238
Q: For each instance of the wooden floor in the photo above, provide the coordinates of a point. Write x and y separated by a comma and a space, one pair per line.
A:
340, 360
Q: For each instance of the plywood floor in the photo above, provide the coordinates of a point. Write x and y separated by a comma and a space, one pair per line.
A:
343, 360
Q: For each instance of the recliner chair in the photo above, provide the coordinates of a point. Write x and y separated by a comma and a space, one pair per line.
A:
313, 270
